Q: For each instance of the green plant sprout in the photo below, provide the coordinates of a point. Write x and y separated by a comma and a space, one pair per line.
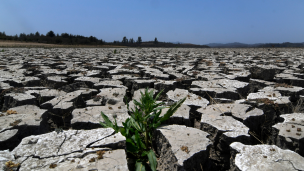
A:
139, 128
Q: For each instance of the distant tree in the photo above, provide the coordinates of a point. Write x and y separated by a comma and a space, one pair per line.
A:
37, 34
22, 36
65, 35
139, 40
16, 37
131, 41
93, 39
155, 41
124, 40
3, 35
50, 34
58, 40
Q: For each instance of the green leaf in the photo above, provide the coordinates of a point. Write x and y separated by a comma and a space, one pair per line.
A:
137, 114
139, 166
159, 108
123, 132
115, 126
131, 147
136, 103
155, 125
138, 141
146, 117
128, 128
134, 139
152, 160
172, 110
144, 153
108, 123
156, 116
157, 96
150, 94
138, 129
135, 124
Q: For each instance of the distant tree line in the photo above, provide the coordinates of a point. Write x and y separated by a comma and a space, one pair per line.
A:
52, 38
281, 45
70, 39
129, 42
139, 43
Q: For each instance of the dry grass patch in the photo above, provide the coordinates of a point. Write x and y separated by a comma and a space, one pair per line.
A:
73, 71
282, 85
185, 149
9, 165
180, 79
195, 72
127, 66
53, 165
209, 63
100, 154
265, 101
16, 122
12, 90
222, 63
9, 112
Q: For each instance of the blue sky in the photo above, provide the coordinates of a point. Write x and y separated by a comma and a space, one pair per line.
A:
188, 21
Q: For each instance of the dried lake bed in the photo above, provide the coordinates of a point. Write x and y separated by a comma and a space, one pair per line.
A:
243, 110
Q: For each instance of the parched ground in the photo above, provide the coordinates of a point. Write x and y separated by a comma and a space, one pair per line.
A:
20, 44
243, 110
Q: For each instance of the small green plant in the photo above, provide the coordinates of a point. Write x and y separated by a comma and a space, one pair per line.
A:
115, 51
2, 50
139, 128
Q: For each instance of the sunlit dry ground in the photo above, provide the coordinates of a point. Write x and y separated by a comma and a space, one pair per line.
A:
6, 44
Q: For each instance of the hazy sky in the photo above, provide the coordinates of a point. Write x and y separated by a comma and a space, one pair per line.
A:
188, 21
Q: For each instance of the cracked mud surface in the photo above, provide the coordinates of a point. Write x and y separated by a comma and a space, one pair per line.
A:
239, 102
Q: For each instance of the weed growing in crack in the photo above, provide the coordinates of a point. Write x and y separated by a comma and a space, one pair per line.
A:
139, 128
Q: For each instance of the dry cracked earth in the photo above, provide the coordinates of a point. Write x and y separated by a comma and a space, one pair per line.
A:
243, 109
